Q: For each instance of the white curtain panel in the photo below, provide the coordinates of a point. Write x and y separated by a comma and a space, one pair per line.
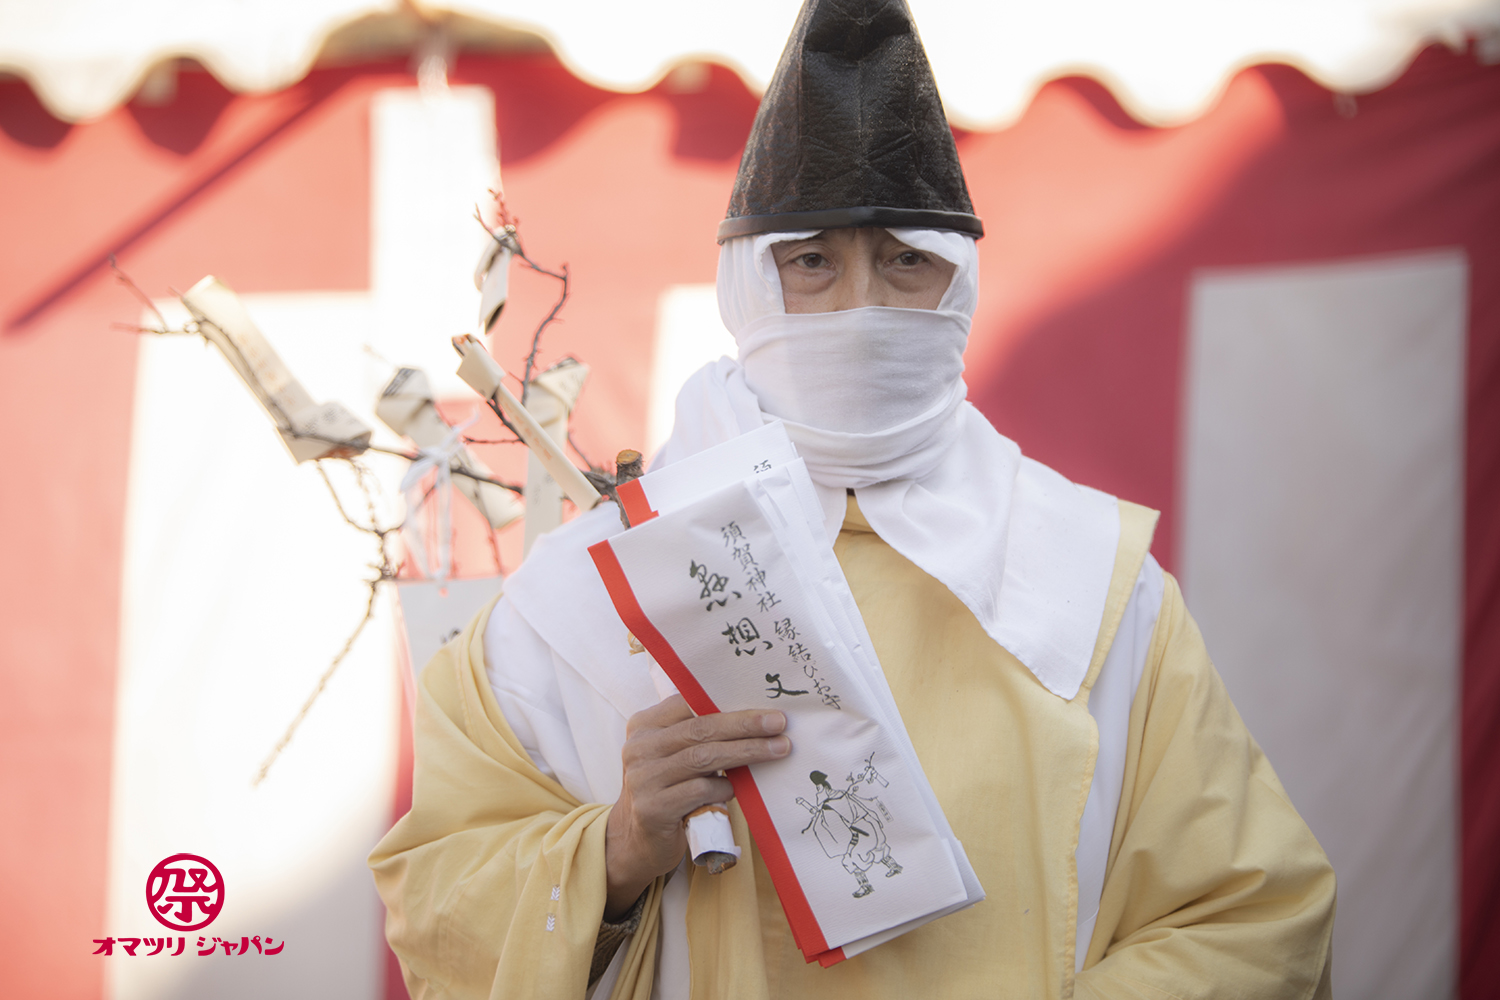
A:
1322, 554
241, 582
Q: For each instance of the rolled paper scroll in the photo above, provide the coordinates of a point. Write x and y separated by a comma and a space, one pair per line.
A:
711, 840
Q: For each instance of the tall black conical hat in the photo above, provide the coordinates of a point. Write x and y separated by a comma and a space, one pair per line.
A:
851, 131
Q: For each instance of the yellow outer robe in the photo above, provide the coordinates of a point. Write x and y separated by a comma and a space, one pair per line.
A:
494, 882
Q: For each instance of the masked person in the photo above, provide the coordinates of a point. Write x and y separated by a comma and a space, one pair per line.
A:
1132, 839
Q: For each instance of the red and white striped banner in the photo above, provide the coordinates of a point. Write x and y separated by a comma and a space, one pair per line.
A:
1279, 324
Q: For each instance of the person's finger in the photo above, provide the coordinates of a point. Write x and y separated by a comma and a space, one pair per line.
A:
647, 777
721, 726
668, 712
710, 758
649, 744
664, 811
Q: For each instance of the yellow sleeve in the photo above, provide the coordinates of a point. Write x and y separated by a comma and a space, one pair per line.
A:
494, 881
1215, 886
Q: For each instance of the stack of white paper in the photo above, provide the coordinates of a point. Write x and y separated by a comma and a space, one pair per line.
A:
729, 581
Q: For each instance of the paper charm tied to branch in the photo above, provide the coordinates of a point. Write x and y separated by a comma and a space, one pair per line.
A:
310, 430
316, 431
407, 406
484, 375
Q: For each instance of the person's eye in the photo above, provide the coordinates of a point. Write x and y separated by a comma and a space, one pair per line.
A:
812, 260
911, 259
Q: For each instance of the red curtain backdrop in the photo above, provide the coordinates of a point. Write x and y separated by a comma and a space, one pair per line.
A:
1094, 224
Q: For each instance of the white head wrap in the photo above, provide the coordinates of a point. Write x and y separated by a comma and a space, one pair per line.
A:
868, 395
874, 400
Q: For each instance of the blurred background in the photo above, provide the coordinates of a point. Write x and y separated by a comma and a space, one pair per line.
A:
1241, 264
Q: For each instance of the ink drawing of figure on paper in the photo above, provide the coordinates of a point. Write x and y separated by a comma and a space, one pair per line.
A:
849, 826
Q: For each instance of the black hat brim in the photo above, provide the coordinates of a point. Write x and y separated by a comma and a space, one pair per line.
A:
849, 218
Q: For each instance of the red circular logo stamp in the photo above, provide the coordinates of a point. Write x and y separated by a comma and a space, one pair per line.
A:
185, 892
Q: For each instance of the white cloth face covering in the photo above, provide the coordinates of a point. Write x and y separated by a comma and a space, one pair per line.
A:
892, 376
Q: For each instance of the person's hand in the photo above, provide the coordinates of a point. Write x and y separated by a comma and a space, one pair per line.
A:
671, 762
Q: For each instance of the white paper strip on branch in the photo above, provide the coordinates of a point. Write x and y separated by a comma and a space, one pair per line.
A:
550, 399
738, 596
406, 405
483, 374
492, 277
310, 430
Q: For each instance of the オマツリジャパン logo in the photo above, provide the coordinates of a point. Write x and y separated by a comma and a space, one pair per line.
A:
185, 892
